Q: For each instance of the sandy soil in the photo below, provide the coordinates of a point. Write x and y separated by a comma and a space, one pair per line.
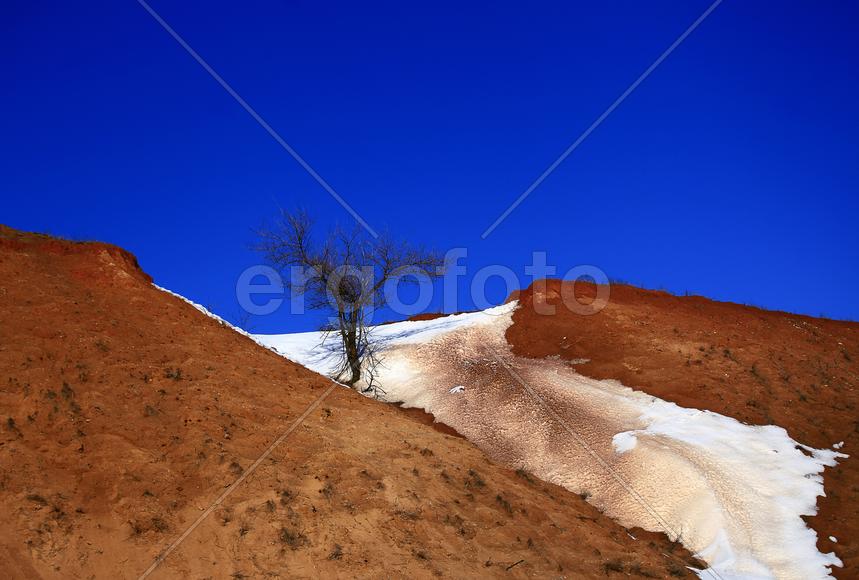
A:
125, 413
760, 367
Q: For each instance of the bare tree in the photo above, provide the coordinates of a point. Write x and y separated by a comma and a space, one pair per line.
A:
346, 274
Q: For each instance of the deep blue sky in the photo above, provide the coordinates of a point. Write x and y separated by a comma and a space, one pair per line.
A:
733, 171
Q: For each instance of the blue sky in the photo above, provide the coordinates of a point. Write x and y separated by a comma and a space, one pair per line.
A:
732, 171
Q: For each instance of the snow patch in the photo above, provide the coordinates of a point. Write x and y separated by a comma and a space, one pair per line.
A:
772, 465
623, 442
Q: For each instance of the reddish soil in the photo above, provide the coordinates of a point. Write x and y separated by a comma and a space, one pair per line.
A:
427, 316
126, 412
425, 418
758, 366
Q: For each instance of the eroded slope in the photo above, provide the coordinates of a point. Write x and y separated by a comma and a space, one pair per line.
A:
126, 411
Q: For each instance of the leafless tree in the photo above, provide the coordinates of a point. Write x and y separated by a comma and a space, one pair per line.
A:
346, 274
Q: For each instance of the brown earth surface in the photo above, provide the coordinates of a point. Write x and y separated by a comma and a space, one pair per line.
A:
760, 367
126, 412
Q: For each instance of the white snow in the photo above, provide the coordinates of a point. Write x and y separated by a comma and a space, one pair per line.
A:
734, 493
624, 441
311, 350
772, 464
838, 445
833, 539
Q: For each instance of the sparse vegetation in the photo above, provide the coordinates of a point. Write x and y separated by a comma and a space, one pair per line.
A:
524, 475
757, 374
677, 570
11, 425
410, 515
327, 489
474, 480
136, 527
639, 570
457, 522
504, 504
292, 538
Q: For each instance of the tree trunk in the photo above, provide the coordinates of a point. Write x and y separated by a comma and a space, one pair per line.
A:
352, 358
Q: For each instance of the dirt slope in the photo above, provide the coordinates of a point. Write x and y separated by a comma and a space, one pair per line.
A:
125, 413
758, 366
